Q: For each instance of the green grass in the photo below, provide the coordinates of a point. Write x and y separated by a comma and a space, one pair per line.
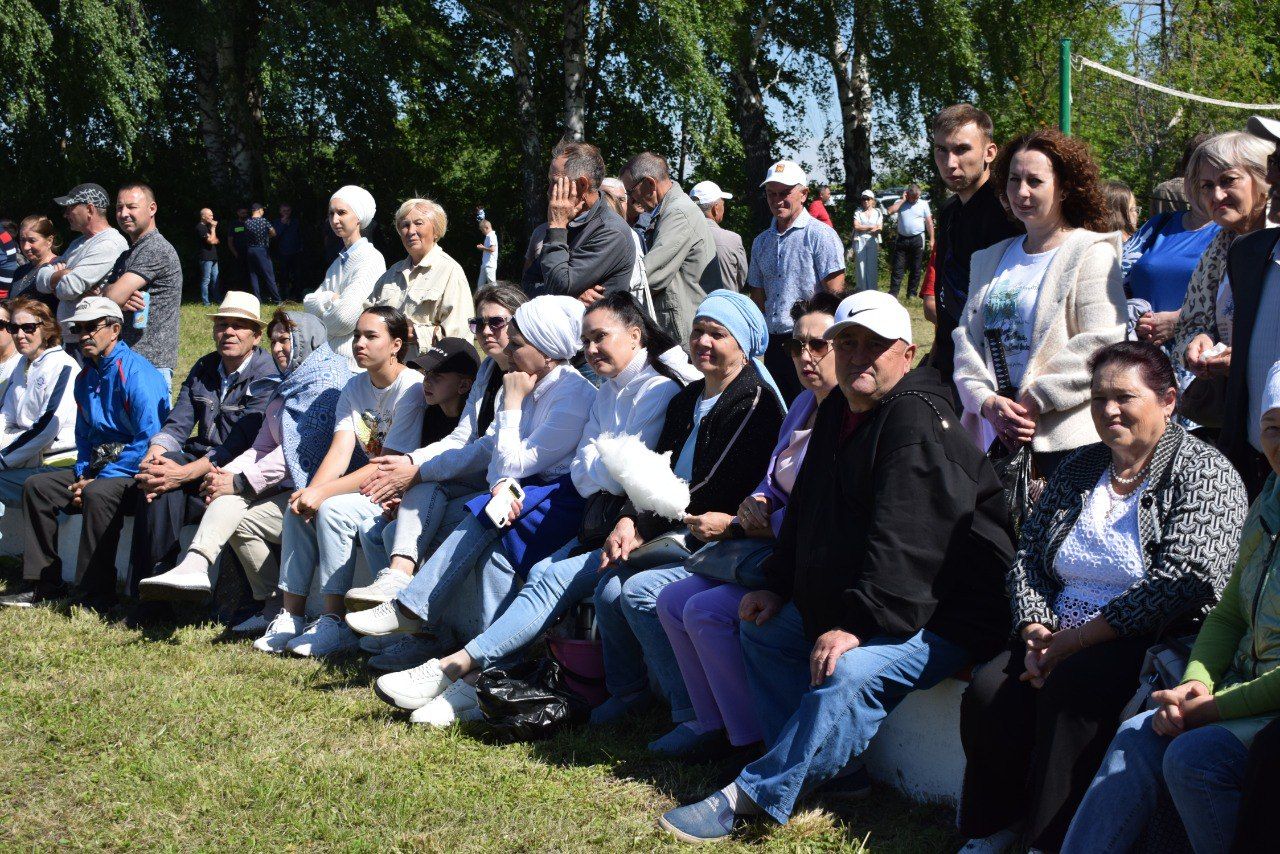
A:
175, 738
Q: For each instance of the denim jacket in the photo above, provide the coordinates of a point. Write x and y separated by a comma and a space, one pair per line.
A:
224, 425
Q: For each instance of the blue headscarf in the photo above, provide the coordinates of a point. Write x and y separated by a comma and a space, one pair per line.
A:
738, 314
311, 391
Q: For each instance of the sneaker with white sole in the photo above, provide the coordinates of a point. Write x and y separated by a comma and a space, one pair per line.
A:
458, 704
326, 636
376, 644
284, 628
407, 651
180, 582
385, 619
384, 588
413, 688
255, 625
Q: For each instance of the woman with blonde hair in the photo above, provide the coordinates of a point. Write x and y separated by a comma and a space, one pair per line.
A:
428, 286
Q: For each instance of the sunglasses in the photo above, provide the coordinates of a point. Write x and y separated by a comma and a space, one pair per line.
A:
495, 324
15, 328
819, 347
85, 328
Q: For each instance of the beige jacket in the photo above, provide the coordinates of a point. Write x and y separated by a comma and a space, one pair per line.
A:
1079, 310
434, 294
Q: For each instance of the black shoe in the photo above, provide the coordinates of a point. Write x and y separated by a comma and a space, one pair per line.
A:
147, 613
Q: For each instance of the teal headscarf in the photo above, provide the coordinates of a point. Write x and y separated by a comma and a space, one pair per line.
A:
738, 314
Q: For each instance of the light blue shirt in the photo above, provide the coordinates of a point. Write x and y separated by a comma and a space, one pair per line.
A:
1264, 347
911, 218
789, 266
684, 463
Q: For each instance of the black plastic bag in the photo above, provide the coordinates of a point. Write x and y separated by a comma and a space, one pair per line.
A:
528, 701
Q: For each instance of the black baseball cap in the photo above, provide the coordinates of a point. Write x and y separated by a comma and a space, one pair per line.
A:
85, 194
450, 356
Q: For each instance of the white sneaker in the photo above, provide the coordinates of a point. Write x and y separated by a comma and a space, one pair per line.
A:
414, 688
255, 625
376, 644
187, 580
384, 588
283, 629
458, 704
385, 619
407, 651
326, 636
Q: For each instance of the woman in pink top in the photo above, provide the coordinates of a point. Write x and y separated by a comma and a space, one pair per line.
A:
700, 614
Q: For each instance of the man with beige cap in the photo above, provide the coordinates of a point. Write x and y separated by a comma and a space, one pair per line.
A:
729, 252
216, 417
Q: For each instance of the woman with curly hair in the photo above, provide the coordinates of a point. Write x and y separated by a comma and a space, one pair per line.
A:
1041, 303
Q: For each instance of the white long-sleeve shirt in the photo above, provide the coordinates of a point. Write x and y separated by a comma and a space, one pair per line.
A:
633, 403
341, 297
38, 412
541, 437
90, 260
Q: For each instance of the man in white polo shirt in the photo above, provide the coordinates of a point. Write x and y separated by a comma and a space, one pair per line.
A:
729, 252
914, 223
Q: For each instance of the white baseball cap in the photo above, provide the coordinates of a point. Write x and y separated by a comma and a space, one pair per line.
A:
875, 310
785, 172
1264, 127
95, 308
706, 192
867, 194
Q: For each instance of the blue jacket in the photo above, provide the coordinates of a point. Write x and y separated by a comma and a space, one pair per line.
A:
223, 425
124, 399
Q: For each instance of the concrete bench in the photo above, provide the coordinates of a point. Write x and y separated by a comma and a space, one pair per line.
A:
917, 750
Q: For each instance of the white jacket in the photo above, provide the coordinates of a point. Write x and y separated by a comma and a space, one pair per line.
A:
633, 403
38, 412
341, 297
1080, 309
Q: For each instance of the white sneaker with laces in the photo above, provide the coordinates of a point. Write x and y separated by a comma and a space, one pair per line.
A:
385, 619
326, 636
284, 628
413, 688
384, 588
458, 704
407, 651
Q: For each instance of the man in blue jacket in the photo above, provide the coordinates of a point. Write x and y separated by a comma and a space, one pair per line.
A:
122, 401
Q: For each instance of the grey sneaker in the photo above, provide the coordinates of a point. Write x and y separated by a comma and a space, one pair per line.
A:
375, 644
326, 636
408, 651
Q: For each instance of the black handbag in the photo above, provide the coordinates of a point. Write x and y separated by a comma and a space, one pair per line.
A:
738, 562
1022, 489
528, 701
599, 518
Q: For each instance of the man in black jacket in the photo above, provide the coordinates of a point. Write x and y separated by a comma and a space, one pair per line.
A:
888, 575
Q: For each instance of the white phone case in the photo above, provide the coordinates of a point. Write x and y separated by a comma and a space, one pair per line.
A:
499, 506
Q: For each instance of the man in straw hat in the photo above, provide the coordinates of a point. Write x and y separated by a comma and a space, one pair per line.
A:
216, 417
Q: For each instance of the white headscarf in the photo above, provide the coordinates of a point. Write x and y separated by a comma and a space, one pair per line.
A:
359, 200
552, 324
1271, 392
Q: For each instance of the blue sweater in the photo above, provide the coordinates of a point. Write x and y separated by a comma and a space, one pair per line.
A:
122, 398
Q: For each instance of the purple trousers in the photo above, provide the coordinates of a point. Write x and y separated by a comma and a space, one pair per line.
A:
700, 616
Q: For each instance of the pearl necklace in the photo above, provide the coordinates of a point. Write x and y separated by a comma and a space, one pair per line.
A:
1128, 481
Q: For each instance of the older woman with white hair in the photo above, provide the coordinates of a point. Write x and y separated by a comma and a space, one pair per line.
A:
428, 286
341, 297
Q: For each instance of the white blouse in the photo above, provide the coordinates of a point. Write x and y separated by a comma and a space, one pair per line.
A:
1102, 556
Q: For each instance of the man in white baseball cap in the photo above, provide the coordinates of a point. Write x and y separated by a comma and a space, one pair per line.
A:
790, 260
729, 251
1270, 129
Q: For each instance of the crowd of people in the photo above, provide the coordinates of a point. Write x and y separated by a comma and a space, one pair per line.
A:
1079, 476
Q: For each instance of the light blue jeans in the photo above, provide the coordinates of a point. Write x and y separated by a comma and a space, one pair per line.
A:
1202, 770
425, 523
555, 585
470, 571
812, 733
632, 636
326, 544
208, 278
167, 373
867, 254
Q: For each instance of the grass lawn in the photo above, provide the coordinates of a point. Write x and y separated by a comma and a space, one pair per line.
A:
112, 738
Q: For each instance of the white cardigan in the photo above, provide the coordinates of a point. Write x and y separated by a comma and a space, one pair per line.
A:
1080, 309
341, 297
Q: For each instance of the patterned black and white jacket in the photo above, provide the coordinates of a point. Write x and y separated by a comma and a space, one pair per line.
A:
1189, 521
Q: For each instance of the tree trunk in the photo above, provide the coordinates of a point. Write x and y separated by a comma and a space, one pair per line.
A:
753, 124
853, 90
212, 129
575, 68
532, 167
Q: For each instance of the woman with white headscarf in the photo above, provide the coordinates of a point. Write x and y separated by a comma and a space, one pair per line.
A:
348, 283
476, 572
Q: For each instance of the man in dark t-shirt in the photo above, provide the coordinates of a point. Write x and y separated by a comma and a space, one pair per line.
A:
207, 255
258, 234
287, 251
970, 220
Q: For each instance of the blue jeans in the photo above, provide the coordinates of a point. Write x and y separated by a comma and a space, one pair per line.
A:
430, 508
167, 373
632, 636
555, 585
471, 566
1202, 770
208, 278
326, 544
813, 733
